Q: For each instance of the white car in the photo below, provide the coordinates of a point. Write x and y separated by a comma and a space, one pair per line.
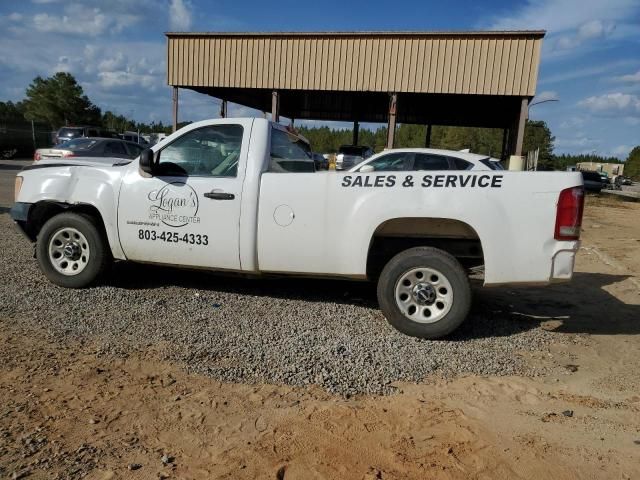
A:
419, 159
241, 194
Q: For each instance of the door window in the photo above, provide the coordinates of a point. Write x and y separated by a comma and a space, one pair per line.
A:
289, 153
392, 162
461, 164
429, 161
212, 151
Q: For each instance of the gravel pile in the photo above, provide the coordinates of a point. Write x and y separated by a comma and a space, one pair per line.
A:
294, 332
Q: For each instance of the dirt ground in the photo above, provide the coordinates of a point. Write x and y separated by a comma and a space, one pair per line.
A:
68, 412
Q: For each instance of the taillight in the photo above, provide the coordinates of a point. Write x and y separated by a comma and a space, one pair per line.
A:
569, 214
37, 156
68, 154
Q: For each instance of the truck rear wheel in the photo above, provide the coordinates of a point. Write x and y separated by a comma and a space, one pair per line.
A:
424, 292
71, 251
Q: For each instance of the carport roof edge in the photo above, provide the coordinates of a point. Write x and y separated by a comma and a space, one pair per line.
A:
383, 33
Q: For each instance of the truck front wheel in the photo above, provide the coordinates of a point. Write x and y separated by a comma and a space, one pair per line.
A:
424, 292
71, 251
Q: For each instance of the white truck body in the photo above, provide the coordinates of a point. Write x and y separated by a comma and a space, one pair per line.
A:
320, 224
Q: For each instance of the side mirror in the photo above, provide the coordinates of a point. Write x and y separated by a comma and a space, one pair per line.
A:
147, 161
366, 169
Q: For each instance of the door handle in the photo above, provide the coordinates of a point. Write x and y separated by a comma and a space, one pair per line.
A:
220, 195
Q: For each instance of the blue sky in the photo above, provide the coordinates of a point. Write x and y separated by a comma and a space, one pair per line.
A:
116, 49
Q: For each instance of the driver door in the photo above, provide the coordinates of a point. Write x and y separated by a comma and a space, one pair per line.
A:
188, 212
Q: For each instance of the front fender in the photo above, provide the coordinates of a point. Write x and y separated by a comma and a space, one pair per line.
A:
71, 186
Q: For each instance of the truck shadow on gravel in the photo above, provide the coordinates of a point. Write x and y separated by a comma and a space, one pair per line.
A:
582, 306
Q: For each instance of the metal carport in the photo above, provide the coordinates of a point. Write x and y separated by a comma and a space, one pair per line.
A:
481, 79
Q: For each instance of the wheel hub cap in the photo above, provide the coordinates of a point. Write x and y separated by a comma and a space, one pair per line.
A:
424, 294
69, 251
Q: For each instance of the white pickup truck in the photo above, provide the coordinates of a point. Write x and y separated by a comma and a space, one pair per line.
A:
241, 195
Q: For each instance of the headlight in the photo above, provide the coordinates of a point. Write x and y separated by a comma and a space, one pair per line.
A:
18, 186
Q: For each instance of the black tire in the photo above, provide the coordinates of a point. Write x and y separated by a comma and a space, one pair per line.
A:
98, 259
432, 258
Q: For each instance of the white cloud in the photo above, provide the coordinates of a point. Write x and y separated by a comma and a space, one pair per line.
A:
110, 80
571, 23
572, 123
589, 71
631, 78
578, 141
86, 21
595, 29
621, 151
118, 62
94, 26
590, 30
180, 15
63, 65
613, 104
560, 16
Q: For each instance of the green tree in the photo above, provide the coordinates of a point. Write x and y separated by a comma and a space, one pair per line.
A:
632, 165
11, 112
537, 135
59, 100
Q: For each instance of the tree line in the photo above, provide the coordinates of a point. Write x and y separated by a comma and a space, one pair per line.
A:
60, 100
487, 141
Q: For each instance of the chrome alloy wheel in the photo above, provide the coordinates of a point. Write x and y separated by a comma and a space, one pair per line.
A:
69, 251
424, 295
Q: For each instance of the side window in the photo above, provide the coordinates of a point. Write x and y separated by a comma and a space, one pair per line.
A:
392, 162
289, 153
116, 148
461, 164
429, 161
212, 151
92, 133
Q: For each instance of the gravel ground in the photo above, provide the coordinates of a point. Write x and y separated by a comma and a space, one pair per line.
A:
294, 332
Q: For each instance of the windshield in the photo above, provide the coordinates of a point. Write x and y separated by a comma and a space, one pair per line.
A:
352, 150
593, 176
78, 144
70, 132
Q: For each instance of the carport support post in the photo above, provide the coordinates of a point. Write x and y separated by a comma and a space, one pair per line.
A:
223, 109
275, 106
175, 108
522, 121
356, 131
427, 140
391, 124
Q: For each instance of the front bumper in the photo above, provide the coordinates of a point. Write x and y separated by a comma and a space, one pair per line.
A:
20, 214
